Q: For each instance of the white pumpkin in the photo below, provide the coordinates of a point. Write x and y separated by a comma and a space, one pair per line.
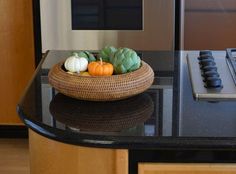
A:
76, 64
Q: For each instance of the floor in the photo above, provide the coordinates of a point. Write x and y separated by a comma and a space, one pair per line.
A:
14, 156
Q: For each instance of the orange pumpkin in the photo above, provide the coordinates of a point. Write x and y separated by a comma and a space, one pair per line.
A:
100, 68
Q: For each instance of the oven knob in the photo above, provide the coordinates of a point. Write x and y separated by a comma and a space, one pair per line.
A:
205, 52
213, 82
207, 62
210, 74
209, 68
206, 56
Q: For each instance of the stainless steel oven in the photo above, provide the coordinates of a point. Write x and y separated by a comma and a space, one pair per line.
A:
75, 25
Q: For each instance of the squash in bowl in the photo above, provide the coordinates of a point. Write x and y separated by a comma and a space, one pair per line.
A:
101, 88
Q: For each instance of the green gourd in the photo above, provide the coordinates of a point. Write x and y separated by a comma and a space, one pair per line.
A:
125, 60
107, 53
86, 54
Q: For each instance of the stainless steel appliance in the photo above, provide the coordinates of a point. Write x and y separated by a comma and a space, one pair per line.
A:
59, 32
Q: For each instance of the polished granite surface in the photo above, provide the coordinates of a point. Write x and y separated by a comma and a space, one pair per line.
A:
164, 116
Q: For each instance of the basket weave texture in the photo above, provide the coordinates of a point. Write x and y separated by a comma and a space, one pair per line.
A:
101, 88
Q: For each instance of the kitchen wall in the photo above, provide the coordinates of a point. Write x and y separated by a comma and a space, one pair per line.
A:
158, 32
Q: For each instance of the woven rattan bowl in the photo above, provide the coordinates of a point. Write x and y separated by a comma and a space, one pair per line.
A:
101, 88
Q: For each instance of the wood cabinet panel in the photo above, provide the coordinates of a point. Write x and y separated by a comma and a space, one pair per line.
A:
17, 55
210, 25
50, 157
210, 4
209, 31
152, 168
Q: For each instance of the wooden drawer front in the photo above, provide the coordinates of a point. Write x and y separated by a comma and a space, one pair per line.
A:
158, 168
212, 30
209, 24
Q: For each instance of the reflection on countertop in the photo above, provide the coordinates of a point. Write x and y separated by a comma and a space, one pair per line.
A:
101, 116
165, 115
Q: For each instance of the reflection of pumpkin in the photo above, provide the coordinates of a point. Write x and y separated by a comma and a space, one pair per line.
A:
102, 116
100, 68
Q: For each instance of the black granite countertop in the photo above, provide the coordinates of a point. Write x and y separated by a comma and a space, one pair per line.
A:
164, 117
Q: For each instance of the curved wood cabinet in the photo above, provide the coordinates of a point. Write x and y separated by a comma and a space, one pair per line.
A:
50, 157
17, 55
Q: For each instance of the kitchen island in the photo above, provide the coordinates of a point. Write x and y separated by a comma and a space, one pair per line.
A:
161, 130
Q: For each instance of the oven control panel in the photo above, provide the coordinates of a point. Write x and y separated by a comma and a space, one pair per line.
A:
212, 74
